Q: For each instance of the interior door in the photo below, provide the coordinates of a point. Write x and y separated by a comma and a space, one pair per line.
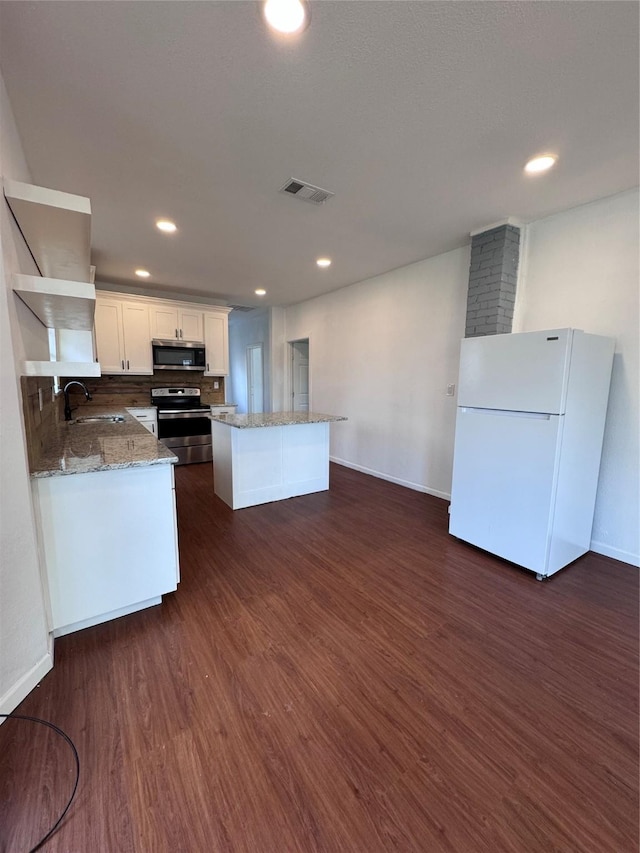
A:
255, 380
300, 376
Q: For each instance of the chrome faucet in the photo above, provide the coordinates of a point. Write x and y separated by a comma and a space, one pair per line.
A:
65, 391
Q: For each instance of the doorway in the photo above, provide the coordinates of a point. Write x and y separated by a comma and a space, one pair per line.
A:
299, 367
255, 380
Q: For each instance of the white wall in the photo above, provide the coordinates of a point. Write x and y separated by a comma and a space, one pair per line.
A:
248, 329
24, 649
581, 270
382, 353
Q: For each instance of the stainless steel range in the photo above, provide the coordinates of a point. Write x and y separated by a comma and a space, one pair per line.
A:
183, 423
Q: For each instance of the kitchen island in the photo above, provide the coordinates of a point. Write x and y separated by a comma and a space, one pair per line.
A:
104, 496
269, 457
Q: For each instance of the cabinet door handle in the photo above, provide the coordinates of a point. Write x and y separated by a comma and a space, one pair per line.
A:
127, 364
207, 367
122, 364
180, 332
177, 335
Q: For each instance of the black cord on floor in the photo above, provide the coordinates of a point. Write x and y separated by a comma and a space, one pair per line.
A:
77, 760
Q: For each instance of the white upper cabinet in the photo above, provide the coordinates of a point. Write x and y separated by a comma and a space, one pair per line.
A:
109, 343
191, 325
126, 325
123, 337
216, 342
137, 338
164, 322
170, 322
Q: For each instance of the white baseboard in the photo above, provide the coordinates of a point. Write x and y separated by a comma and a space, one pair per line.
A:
616, 553
417, 487
21, 689
598, 547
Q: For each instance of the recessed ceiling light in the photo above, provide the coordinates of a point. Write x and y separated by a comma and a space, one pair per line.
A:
143, 273
166, 225
540, 164
287, 16
324, 262
260, 292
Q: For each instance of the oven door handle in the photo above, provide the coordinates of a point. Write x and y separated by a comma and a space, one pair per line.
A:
176, 415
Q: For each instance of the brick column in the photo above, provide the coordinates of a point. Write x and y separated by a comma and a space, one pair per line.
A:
493, 276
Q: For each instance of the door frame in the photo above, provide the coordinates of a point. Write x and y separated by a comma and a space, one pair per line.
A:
289, 371
249, 371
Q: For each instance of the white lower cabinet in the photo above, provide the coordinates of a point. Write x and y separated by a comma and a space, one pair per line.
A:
110, 542
123, 337
147, 416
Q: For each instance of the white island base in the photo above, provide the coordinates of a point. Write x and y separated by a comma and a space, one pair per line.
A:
269, 462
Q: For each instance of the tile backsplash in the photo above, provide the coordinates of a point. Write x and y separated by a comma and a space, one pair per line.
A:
107, 391
39, 422
123, 390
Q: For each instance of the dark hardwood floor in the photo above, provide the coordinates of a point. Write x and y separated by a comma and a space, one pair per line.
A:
337, 674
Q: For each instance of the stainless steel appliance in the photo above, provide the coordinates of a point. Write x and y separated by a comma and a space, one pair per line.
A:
183, 423
178, 355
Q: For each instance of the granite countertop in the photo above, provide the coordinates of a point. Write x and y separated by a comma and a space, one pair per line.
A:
73, 448
275, 419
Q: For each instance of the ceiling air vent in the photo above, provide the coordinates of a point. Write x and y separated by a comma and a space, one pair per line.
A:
306, 192
241, 307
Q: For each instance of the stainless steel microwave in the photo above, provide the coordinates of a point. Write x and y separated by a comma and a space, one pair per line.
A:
178, 355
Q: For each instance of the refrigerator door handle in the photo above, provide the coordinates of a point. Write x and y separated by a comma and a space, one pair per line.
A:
537, 416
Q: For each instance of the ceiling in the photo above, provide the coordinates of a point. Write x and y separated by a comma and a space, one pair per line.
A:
419, 116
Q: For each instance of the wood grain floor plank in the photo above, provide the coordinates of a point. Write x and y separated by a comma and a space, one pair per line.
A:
336, 674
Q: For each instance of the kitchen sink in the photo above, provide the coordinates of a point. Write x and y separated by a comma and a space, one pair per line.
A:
100, 419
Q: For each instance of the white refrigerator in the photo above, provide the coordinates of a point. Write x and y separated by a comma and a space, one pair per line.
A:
528, 441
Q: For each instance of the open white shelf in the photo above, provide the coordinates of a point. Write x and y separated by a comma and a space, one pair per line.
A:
58, 303
61, 368
56, 227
